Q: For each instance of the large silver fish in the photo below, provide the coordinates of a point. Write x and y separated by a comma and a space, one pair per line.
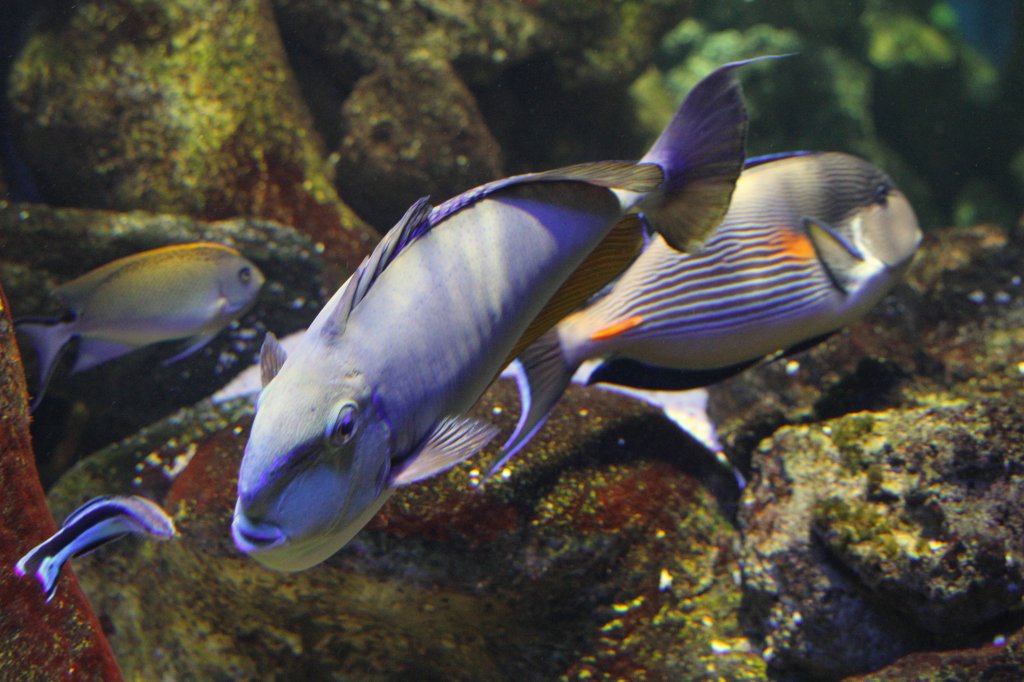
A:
186, 291
95, 523
375, 394
810, 243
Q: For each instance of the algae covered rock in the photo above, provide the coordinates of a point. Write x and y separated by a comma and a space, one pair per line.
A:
39, 640
598, 554
401, 144
550, 80
45, 247
898, 529
356, 38
881, 517
184, 107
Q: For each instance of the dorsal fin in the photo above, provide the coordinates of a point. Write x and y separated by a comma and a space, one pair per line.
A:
626, 175
272, 356
413, 224
753, 161
421, 218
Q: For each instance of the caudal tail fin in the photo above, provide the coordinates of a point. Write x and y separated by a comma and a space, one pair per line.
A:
701, 153
543, 375
49, 339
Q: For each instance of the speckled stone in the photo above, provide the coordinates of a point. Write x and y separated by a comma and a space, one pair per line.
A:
400, 144
897, 529
39, 641
185, 107
599, 555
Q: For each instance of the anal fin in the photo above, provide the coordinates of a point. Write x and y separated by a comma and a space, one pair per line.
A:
542, 375
636, 374
93, 352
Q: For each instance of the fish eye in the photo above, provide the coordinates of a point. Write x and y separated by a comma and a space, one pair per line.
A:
882, 194
343, 427
245, 275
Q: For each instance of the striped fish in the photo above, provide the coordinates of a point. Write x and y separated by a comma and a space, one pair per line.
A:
97, 522
810, 243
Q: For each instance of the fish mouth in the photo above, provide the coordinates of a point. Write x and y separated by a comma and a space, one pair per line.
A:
252, 537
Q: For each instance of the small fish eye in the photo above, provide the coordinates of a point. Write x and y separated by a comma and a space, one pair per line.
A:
343, 426
245, 275
882, 194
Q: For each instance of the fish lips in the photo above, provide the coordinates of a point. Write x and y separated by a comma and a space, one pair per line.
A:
252, 538
294, 521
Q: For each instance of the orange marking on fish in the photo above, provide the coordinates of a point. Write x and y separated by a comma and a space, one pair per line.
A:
795, 245
617, 328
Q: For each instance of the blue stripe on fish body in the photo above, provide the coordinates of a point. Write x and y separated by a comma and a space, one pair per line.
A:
811, 241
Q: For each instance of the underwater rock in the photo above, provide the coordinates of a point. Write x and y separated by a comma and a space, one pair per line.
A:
400, 145
599, 554
999, 659
61, 639
550, 77
44, 247
899, 529
586, 42
184, 107
354, 39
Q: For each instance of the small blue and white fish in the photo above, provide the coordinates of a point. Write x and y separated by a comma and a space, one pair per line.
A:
97, 522
376, 393
186, 291
810, 243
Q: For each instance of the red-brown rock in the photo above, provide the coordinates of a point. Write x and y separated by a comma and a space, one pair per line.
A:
62, 639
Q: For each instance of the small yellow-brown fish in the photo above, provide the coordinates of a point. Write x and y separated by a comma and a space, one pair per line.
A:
187, 291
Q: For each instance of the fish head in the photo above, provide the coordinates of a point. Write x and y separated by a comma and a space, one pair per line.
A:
866, 206
887, 227
315, 467
239, 281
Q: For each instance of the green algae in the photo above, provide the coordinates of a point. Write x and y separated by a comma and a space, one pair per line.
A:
179, 107
849, 435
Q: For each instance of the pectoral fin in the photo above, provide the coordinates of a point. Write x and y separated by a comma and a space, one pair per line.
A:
453, 440
191, 346
272, 356
839, 257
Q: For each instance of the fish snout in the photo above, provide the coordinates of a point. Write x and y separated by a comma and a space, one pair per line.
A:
253, 535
